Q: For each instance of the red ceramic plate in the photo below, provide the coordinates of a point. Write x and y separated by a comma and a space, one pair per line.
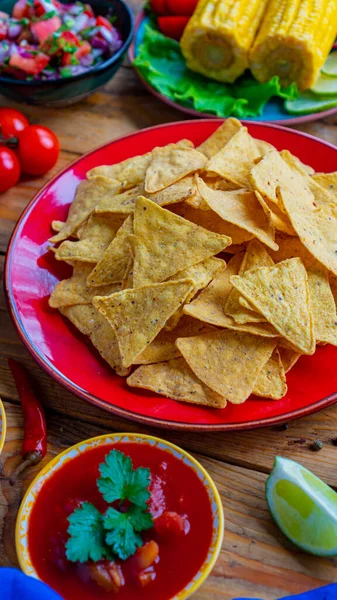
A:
31, 272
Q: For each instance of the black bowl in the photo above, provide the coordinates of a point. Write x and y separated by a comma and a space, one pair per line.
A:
62, 92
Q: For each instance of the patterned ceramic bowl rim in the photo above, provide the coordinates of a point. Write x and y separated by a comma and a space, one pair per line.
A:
22, 524
2, 426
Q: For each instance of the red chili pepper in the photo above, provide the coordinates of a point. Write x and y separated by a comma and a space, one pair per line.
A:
34, 446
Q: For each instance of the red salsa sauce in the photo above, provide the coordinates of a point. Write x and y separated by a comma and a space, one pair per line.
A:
174, 487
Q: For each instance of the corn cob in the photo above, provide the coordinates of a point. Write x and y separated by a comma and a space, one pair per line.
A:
218, 37
294, 40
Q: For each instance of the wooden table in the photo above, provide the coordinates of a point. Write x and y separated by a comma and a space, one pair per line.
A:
256, 559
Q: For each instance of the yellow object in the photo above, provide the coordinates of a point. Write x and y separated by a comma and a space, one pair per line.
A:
218, 37
2, 425
294, 40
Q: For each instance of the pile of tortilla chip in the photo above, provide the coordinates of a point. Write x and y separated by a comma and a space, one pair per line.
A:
160, 301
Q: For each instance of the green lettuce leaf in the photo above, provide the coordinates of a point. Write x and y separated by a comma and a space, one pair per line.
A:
162, 64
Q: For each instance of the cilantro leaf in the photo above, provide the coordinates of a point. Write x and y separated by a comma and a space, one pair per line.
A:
120, 481
139, 519
121, 535
87, 535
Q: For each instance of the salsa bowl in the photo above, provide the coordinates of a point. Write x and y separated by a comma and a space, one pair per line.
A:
177, 480
62, 92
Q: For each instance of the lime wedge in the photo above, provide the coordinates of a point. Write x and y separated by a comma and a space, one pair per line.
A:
330, 65
325, 85
308, 103
304, 508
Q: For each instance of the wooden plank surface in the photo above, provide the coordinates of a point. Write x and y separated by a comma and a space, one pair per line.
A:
256, 560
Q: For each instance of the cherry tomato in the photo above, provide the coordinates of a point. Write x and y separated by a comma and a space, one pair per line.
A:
173, 27
12, 123
38, 150
9, 169
184, 8
159, 7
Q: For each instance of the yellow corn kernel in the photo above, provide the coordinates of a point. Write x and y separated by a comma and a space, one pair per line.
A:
218, 37
294, 40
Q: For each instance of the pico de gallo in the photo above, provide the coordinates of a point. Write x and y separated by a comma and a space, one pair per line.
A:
96, 546
46, 39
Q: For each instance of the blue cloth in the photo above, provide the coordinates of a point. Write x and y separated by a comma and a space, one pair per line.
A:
328, 592
14, 585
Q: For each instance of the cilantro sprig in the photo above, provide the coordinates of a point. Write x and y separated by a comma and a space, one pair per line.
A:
93, 535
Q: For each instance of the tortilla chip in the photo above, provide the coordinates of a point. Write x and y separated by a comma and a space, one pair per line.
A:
57, 225
102, 336
281, 295
74, 290
322, 305
241, 208
328, 181
88, 194
294, 161
236, 159
271, 382
132, 171
174, 379
125, 202
263, 147
255, 256
227, 361
316, 227
137, 315
208, 219
290, 247
272, 172
163, 346
128, 173
171, 163
288, 357
220, 137
278, 219
166, 243
201, 273
96, 236
115, 261
209, 305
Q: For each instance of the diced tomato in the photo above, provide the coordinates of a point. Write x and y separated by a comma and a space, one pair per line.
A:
32, 66
145, 577
104, 22
3, 30
41, 7
83, 50
107, 575
146, 555
88, 11
159, 7
184, 8
173, 27
170, 524
21, 9
116, 574
68, 37
43, 29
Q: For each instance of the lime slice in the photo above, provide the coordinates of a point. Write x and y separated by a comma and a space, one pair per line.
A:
330, 65
325, 85
304, 508
308, 103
